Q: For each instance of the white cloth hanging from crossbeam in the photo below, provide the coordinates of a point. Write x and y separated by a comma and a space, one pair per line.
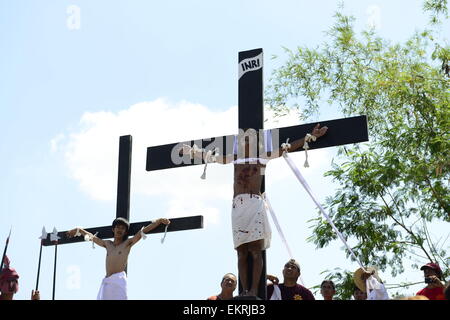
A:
322, 210
277, 225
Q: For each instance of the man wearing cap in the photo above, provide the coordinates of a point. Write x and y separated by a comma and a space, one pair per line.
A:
114, 285
289, 289
9, 284
433, 276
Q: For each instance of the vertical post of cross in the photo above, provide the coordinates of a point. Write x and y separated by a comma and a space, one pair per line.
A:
124, 178
251, 115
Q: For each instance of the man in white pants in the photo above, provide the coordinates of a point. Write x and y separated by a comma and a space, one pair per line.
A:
114, 285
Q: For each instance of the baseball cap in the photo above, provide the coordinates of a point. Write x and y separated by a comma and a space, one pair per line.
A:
433, 266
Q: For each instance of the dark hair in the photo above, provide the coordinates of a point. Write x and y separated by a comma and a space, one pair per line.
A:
124, 222
229, 273
331, 283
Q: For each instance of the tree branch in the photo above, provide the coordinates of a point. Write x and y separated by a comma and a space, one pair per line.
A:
439, 200
390, 214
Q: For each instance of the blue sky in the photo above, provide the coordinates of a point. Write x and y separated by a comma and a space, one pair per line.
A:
163, 72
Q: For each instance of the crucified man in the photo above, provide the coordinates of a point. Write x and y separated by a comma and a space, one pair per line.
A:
114, 285
250, 225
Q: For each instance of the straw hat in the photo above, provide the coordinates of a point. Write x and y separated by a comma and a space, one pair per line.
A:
357, 277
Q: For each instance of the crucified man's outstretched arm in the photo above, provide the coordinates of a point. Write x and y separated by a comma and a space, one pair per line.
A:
79, 231
146, 229
297, 144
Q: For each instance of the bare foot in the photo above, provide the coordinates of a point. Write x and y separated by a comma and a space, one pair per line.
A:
252, 293
244, 293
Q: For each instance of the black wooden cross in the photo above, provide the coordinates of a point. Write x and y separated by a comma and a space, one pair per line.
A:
251, 108
123, 205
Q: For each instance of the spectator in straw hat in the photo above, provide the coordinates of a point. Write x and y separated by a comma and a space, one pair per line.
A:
358, 294
433, 278
368, 281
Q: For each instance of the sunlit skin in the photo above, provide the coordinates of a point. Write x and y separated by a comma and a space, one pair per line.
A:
9, 295
434, 276
117, 254
327, 291
359, 295
35, 295
6, 296
290, 275
228, 286
248, 179
290, 272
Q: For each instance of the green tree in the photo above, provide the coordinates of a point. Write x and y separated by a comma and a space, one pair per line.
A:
392, 187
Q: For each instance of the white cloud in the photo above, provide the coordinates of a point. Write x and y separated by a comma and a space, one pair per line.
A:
91, 152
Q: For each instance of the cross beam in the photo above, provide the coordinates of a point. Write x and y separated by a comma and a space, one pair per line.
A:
176, 224
341, 131
123, 205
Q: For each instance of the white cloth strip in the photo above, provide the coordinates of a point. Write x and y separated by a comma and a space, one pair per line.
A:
308, 189
210, 157
276, 294
308, 138
268, 140
277, 225
286, 146
92, 239
78, 234
376, 290
165, 233
250, 160
192, 150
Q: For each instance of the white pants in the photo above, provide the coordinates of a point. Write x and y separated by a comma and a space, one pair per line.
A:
249, 220
114, 287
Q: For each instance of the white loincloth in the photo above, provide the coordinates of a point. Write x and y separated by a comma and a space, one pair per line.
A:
114, 287
249, 220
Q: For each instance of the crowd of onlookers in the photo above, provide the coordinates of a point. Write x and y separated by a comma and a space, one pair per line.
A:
367, 285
